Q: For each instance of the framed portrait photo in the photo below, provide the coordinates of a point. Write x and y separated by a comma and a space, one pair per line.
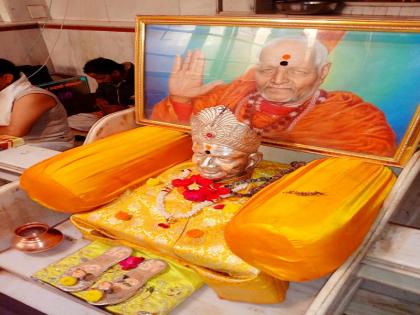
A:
330, 86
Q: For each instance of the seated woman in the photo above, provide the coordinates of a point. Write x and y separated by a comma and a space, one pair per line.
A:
31, 112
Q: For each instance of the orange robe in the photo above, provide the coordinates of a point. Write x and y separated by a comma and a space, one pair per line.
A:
343, 121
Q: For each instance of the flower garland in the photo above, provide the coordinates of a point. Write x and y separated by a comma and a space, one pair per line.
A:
205, 192
197, 189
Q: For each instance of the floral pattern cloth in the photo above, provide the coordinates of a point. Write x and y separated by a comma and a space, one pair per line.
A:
197, 240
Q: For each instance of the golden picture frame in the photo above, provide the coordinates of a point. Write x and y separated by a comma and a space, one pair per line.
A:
331, 86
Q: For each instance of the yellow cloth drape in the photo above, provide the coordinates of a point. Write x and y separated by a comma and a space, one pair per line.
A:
92, 175
208, 254
308, 224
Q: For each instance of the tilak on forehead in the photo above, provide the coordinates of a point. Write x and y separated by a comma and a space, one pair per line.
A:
284, 59
208, 148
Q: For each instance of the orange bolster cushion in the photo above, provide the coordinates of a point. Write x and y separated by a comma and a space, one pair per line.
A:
306, 225
92, 175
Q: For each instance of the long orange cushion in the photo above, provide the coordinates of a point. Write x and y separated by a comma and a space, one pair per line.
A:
92, 175
306, 225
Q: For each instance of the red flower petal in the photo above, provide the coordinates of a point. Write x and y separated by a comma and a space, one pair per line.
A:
204, 181
131, 262
194, 178
219, 206
205, 189
223, 191
212, 196
194, 195
181, 182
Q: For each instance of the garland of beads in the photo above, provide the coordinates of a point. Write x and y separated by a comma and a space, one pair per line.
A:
160, 199
235, 188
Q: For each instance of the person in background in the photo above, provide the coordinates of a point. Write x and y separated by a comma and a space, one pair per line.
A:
31, 113
36, 74
115, 83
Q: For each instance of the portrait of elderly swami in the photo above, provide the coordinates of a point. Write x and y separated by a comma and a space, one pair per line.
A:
281, 97
31, 113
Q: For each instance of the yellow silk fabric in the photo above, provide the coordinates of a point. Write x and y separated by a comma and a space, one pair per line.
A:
208, 253
92, 175
158, 296
260, 289
296, 236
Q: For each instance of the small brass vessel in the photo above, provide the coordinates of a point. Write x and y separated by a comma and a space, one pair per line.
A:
36, 237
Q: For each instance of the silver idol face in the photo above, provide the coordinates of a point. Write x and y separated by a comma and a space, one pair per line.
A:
220, 162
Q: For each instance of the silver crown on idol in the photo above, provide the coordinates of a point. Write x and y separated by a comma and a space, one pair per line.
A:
218, 125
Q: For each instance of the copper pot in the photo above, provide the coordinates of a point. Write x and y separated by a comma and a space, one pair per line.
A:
36, 237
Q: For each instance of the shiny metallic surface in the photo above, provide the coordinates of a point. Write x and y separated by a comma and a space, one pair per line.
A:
218, 125
36, 237
221, 163
223, 147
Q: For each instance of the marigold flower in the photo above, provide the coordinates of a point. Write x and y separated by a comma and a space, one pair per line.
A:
68, 281
195, 233
124, 216
92, 295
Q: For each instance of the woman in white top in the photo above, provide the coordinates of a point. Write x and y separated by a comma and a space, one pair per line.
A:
30, 112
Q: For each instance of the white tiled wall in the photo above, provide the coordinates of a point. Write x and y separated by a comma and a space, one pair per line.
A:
16, 10
24, 47
395, 9
74, 47
238, 5
197, 7
4, 13
70, 49
80, 10
126, 10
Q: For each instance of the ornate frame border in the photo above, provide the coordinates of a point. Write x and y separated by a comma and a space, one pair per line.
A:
408, 143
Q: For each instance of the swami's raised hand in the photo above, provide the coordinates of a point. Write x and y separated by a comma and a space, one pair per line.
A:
186, 79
